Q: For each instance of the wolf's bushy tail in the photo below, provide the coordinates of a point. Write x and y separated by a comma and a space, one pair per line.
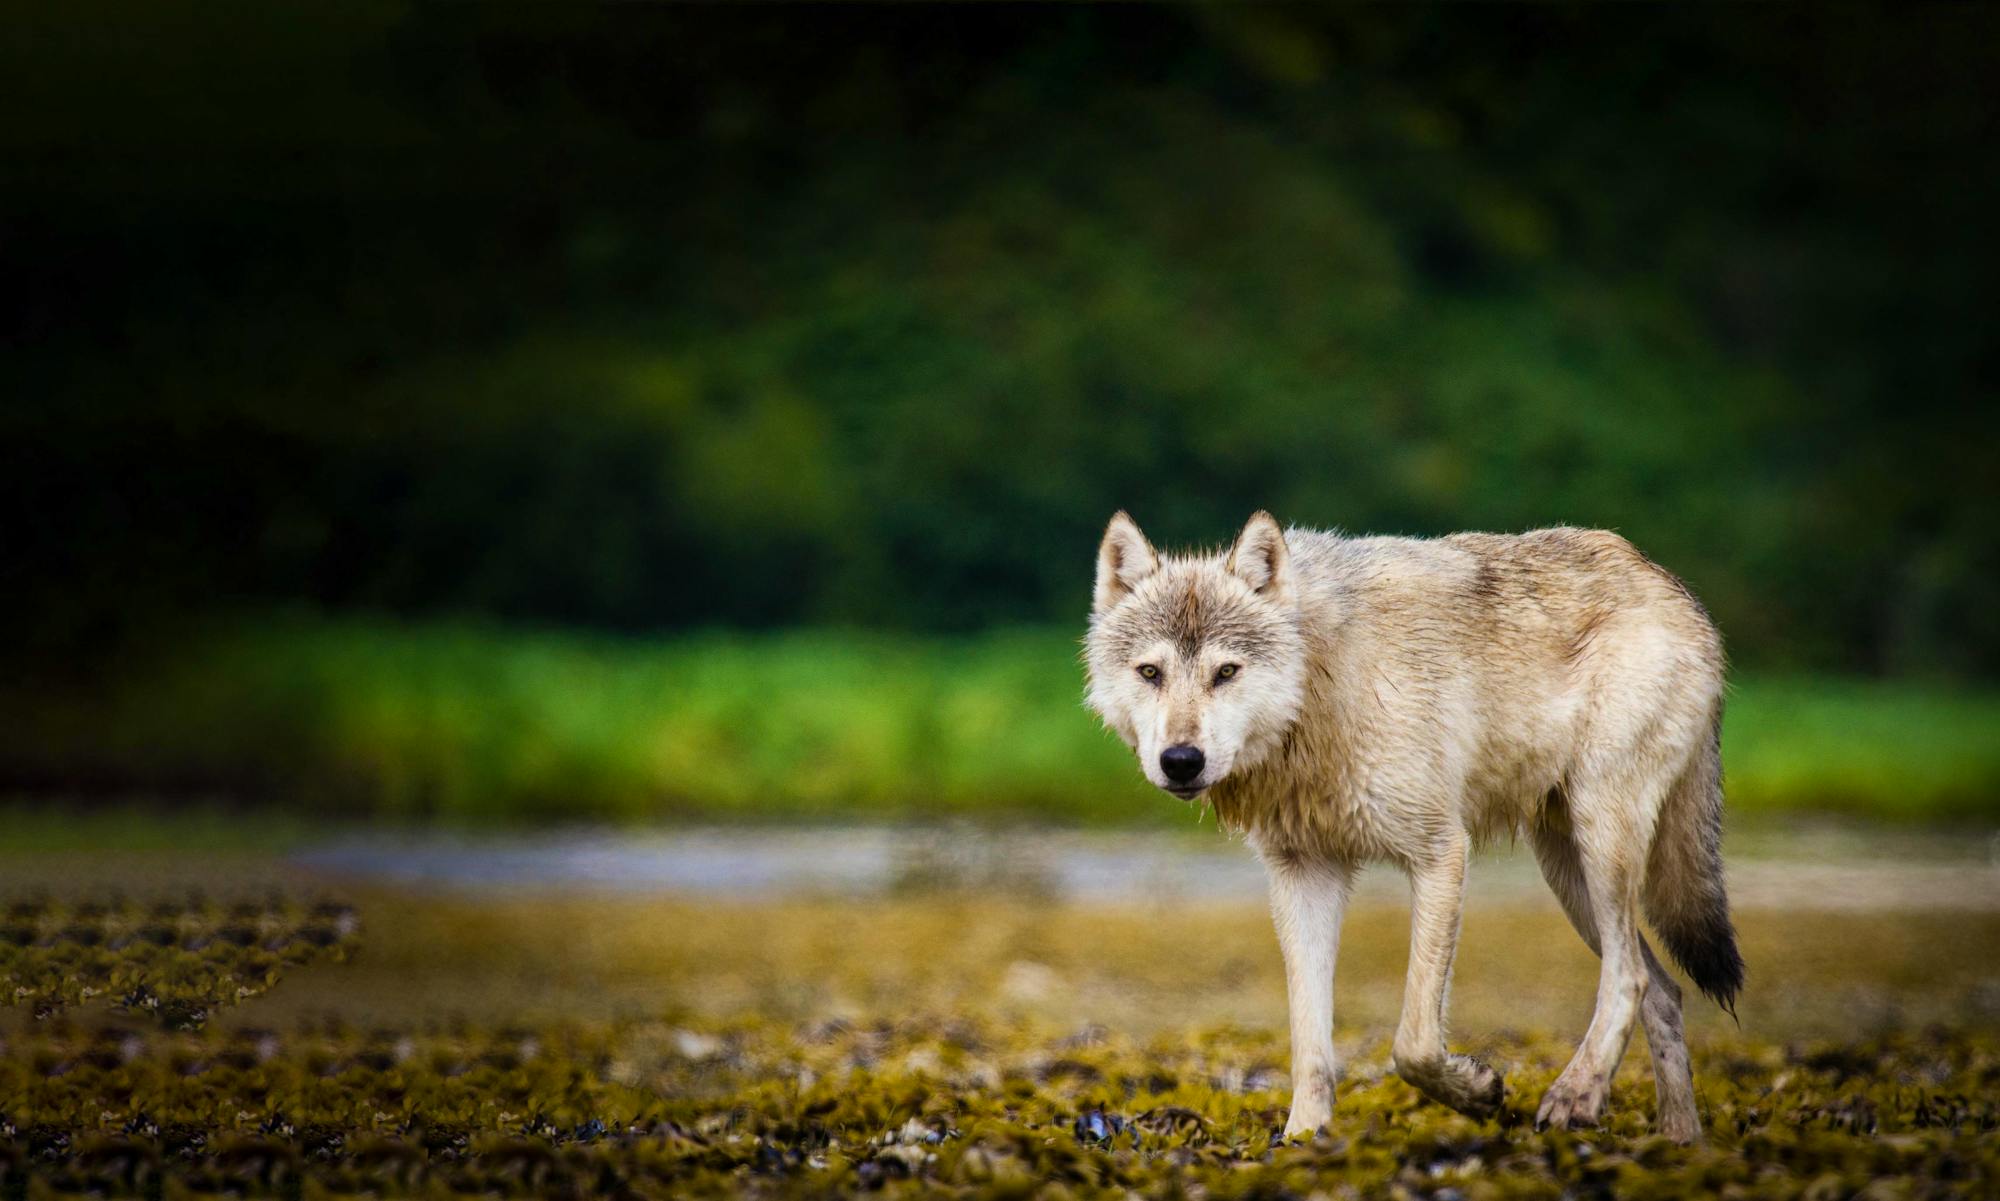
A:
1684, 893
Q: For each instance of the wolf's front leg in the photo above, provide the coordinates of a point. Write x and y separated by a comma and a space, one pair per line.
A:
1437, 895
1308, 897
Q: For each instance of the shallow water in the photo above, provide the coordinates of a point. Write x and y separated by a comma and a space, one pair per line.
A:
1812, 871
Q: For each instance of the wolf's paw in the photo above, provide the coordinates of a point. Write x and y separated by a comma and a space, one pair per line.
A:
1312, 1101
1307, 1119
1569, 1105
1484, 1088
1459, 1081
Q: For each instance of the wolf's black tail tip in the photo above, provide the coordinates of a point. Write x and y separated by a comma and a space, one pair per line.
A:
1707, 953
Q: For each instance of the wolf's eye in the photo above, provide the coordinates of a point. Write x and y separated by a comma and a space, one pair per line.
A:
1148, 672
1226, 672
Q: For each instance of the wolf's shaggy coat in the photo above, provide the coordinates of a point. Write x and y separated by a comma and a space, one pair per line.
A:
1345, 700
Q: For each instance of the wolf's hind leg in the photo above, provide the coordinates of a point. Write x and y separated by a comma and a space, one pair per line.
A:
1673, 1069
1660, 1013
1437, 895
1610, 858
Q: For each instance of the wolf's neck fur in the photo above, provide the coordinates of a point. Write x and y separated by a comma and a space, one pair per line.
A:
1298, 794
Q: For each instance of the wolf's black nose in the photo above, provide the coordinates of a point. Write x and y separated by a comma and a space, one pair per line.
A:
1182, 763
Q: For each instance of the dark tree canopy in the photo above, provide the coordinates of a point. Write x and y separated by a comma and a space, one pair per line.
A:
653, 317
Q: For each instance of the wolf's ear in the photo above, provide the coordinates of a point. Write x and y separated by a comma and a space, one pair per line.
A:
1124, 558
1261, 559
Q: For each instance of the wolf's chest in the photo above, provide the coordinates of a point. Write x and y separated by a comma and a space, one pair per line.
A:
1333, 815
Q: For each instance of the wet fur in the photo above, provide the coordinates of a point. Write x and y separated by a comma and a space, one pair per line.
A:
1402, 700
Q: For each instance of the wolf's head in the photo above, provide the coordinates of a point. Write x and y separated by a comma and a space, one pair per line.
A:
1196, 661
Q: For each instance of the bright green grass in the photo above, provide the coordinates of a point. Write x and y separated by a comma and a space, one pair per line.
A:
475, 722
1873, 747
478, 722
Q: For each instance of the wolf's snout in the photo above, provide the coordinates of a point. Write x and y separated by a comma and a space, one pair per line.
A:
1182, 763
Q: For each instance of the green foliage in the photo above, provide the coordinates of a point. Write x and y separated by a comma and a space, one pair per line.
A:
476, 722
661, 318
1882, 748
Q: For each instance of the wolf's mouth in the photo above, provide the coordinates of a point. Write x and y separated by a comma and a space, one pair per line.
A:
1187, 792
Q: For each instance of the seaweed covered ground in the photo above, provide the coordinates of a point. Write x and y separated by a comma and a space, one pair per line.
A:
941, 1041
947, 1106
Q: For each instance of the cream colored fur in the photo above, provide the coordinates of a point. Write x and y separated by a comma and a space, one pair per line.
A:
1358, 700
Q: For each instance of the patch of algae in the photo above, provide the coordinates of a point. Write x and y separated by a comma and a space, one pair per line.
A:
940, 1106
986, 1046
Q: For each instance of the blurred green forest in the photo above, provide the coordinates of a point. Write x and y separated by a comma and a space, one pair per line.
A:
656, 319
470, 724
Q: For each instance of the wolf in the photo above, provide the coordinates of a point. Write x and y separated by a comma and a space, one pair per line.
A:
1345, 700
